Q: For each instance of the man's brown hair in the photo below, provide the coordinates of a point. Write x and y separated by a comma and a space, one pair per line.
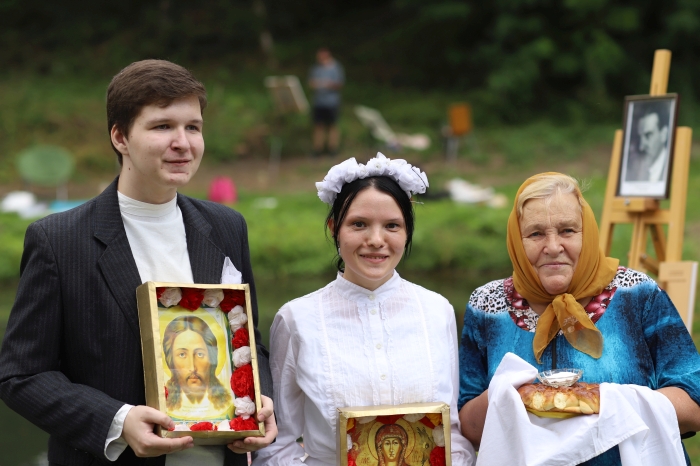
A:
144, 83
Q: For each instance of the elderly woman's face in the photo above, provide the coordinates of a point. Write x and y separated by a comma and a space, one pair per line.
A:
552, 235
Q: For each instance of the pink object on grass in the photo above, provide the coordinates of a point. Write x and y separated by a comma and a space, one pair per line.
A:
222, 190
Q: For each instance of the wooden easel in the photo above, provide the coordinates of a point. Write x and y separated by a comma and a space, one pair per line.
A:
678, 278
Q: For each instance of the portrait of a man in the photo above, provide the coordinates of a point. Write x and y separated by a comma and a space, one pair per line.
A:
646, 159
191, 354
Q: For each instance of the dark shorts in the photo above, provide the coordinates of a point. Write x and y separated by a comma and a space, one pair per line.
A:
325, 115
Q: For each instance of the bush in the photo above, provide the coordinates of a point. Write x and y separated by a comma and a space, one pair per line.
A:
289, 241
12, 230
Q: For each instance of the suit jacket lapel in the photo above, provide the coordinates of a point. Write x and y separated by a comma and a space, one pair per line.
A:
117, 261
206, 258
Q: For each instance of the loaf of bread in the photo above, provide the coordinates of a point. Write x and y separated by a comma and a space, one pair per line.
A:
580, 398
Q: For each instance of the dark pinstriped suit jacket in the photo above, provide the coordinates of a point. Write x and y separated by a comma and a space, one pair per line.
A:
71, 356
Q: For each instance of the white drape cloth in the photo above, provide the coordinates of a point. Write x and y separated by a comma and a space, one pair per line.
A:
346, 346
640, 421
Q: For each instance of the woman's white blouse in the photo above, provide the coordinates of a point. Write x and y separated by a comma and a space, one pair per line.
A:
346, 346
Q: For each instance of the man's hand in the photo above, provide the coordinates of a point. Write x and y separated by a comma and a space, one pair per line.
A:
266, 415
138, 433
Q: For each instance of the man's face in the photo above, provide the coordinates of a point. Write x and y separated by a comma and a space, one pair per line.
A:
651, 139
323, 57
163, 150
192, 365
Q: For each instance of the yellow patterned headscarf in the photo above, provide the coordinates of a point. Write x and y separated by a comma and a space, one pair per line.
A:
594, 271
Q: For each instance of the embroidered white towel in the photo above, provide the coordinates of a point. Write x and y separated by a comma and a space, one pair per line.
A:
641, 421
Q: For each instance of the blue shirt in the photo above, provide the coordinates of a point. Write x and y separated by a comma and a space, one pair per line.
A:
333, 72
645, 341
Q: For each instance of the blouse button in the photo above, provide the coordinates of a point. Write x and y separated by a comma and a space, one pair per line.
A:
371, 297
383, 377
373, 311
379, 346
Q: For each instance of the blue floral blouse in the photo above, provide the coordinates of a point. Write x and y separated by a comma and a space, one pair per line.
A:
645, 340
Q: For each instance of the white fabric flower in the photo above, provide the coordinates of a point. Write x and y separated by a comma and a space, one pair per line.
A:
237, 318
439, 436
409, 178
241, 356
223, 425
337, 176
213, 297
181, 426
349, 442
366, 419
245, 407
413, 417
170, 297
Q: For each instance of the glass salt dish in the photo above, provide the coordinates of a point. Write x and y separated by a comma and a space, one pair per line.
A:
560, 377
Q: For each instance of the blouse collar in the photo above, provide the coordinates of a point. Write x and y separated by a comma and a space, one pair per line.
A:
356, 293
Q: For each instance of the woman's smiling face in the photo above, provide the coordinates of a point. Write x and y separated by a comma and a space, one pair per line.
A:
372, 238
552, 232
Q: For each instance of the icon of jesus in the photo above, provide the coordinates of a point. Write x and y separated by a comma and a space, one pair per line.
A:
191, 353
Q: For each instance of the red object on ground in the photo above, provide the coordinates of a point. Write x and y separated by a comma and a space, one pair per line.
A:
222, 190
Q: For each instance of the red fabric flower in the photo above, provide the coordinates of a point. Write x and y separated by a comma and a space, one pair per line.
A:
238, 423
232, 298
437, 456
242, 382
205, 425
191, 298
389, 419
240, 338
427, 422
159, 291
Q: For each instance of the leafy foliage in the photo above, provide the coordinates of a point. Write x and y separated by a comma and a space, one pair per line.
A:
513, 59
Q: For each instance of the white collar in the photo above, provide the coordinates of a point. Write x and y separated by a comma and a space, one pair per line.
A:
135, 208
359, 294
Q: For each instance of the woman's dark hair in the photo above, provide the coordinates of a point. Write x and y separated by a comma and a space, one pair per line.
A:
347, 195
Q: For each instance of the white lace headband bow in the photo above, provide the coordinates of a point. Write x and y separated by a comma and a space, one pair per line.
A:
409, 178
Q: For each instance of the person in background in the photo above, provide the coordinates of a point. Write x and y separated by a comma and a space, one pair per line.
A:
71, 357
326, 78
369, 337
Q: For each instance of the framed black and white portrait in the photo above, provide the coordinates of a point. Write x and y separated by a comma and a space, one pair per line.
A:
647, 146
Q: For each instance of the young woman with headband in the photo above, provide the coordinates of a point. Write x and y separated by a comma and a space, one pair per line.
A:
369, 337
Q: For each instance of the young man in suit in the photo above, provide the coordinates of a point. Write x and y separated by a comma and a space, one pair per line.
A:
71, 356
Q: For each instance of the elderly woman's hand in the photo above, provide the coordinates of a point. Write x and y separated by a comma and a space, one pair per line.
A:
472, 417
687, 410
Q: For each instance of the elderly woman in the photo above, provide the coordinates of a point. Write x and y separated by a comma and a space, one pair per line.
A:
567, 305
